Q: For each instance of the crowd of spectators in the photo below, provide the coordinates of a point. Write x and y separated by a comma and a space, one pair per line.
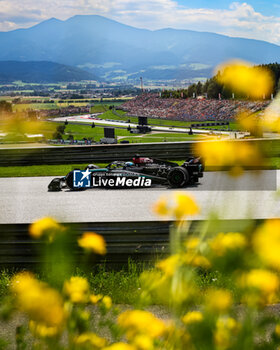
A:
190, 109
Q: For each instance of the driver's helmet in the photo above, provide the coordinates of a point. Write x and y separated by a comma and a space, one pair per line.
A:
92, 166
128, 164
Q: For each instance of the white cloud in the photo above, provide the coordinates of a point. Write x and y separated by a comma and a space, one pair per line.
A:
240, 19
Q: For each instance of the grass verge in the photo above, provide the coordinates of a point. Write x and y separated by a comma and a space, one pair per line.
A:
63, 169
124, 286
41, 170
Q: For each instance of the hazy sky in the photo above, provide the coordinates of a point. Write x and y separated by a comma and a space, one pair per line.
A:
256, 19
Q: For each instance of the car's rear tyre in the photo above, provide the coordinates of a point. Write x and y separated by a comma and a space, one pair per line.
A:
178, 177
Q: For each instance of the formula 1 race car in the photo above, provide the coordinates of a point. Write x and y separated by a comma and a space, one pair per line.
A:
141, 172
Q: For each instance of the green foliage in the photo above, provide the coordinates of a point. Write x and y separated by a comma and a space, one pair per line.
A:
212, 88
3, 344
5, 107
61, 129
4, 283
122, 286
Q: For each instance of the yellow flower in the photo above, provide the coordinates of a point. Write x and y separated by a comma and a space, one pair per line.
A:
218, 301
249, 122
44, 227
42, 304
77, 289
90, 339
266, 242
277, 330
263, 281
143, 342
241, 77
120, 346
136, 322
160, 207
185, 206
226, 329
94, 299
42, 331
234, 155
193, 257
93, 242
179, 206
107, 302
192, 317
225, 242
169, 265
192, 243
196, 260
271, 117
18, 127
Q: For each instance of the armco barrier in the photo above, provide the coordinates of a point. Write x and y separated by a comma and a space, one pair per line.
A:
107, 153
91, 154
139, 241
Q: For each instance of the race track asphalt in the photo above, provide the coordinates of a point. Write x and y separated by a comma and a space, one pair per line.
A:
23, 200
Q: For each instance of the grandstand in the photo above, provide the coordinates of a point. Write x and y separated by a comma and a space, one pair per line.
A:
190, 109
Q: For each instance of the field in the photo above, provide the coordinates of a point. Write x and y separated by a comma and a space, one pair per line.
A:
56, 105
80, 132
154, 121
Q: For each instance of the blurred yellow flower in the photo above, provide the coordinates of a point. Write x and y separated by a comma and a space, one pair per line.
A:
178, 206
185, 206
277, 330
143, 342
183, 289
160, 207
263, 281
225, 242
218, 301
90, 339
156, 284
192, 243
226, 330
234, 155
42, 304
136, 322
19, 128
77, 289
193, 257
266, 242
42, 331
170, 264
196, 260
107, 302
192, 317
94, 299
120, 346
249, 122
242, 77
93, 242
45, 227
271, 117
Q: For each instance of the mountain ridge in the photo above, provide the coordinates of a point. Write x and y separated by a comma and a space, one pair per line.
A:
117, 51
41, 72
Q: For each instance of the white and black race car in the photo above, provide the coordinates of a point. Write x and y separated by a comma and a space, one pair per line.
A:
140, 172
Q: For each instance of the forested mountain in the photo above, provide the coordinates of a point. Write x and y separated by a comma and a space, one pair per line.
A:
41, 72
116, 51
